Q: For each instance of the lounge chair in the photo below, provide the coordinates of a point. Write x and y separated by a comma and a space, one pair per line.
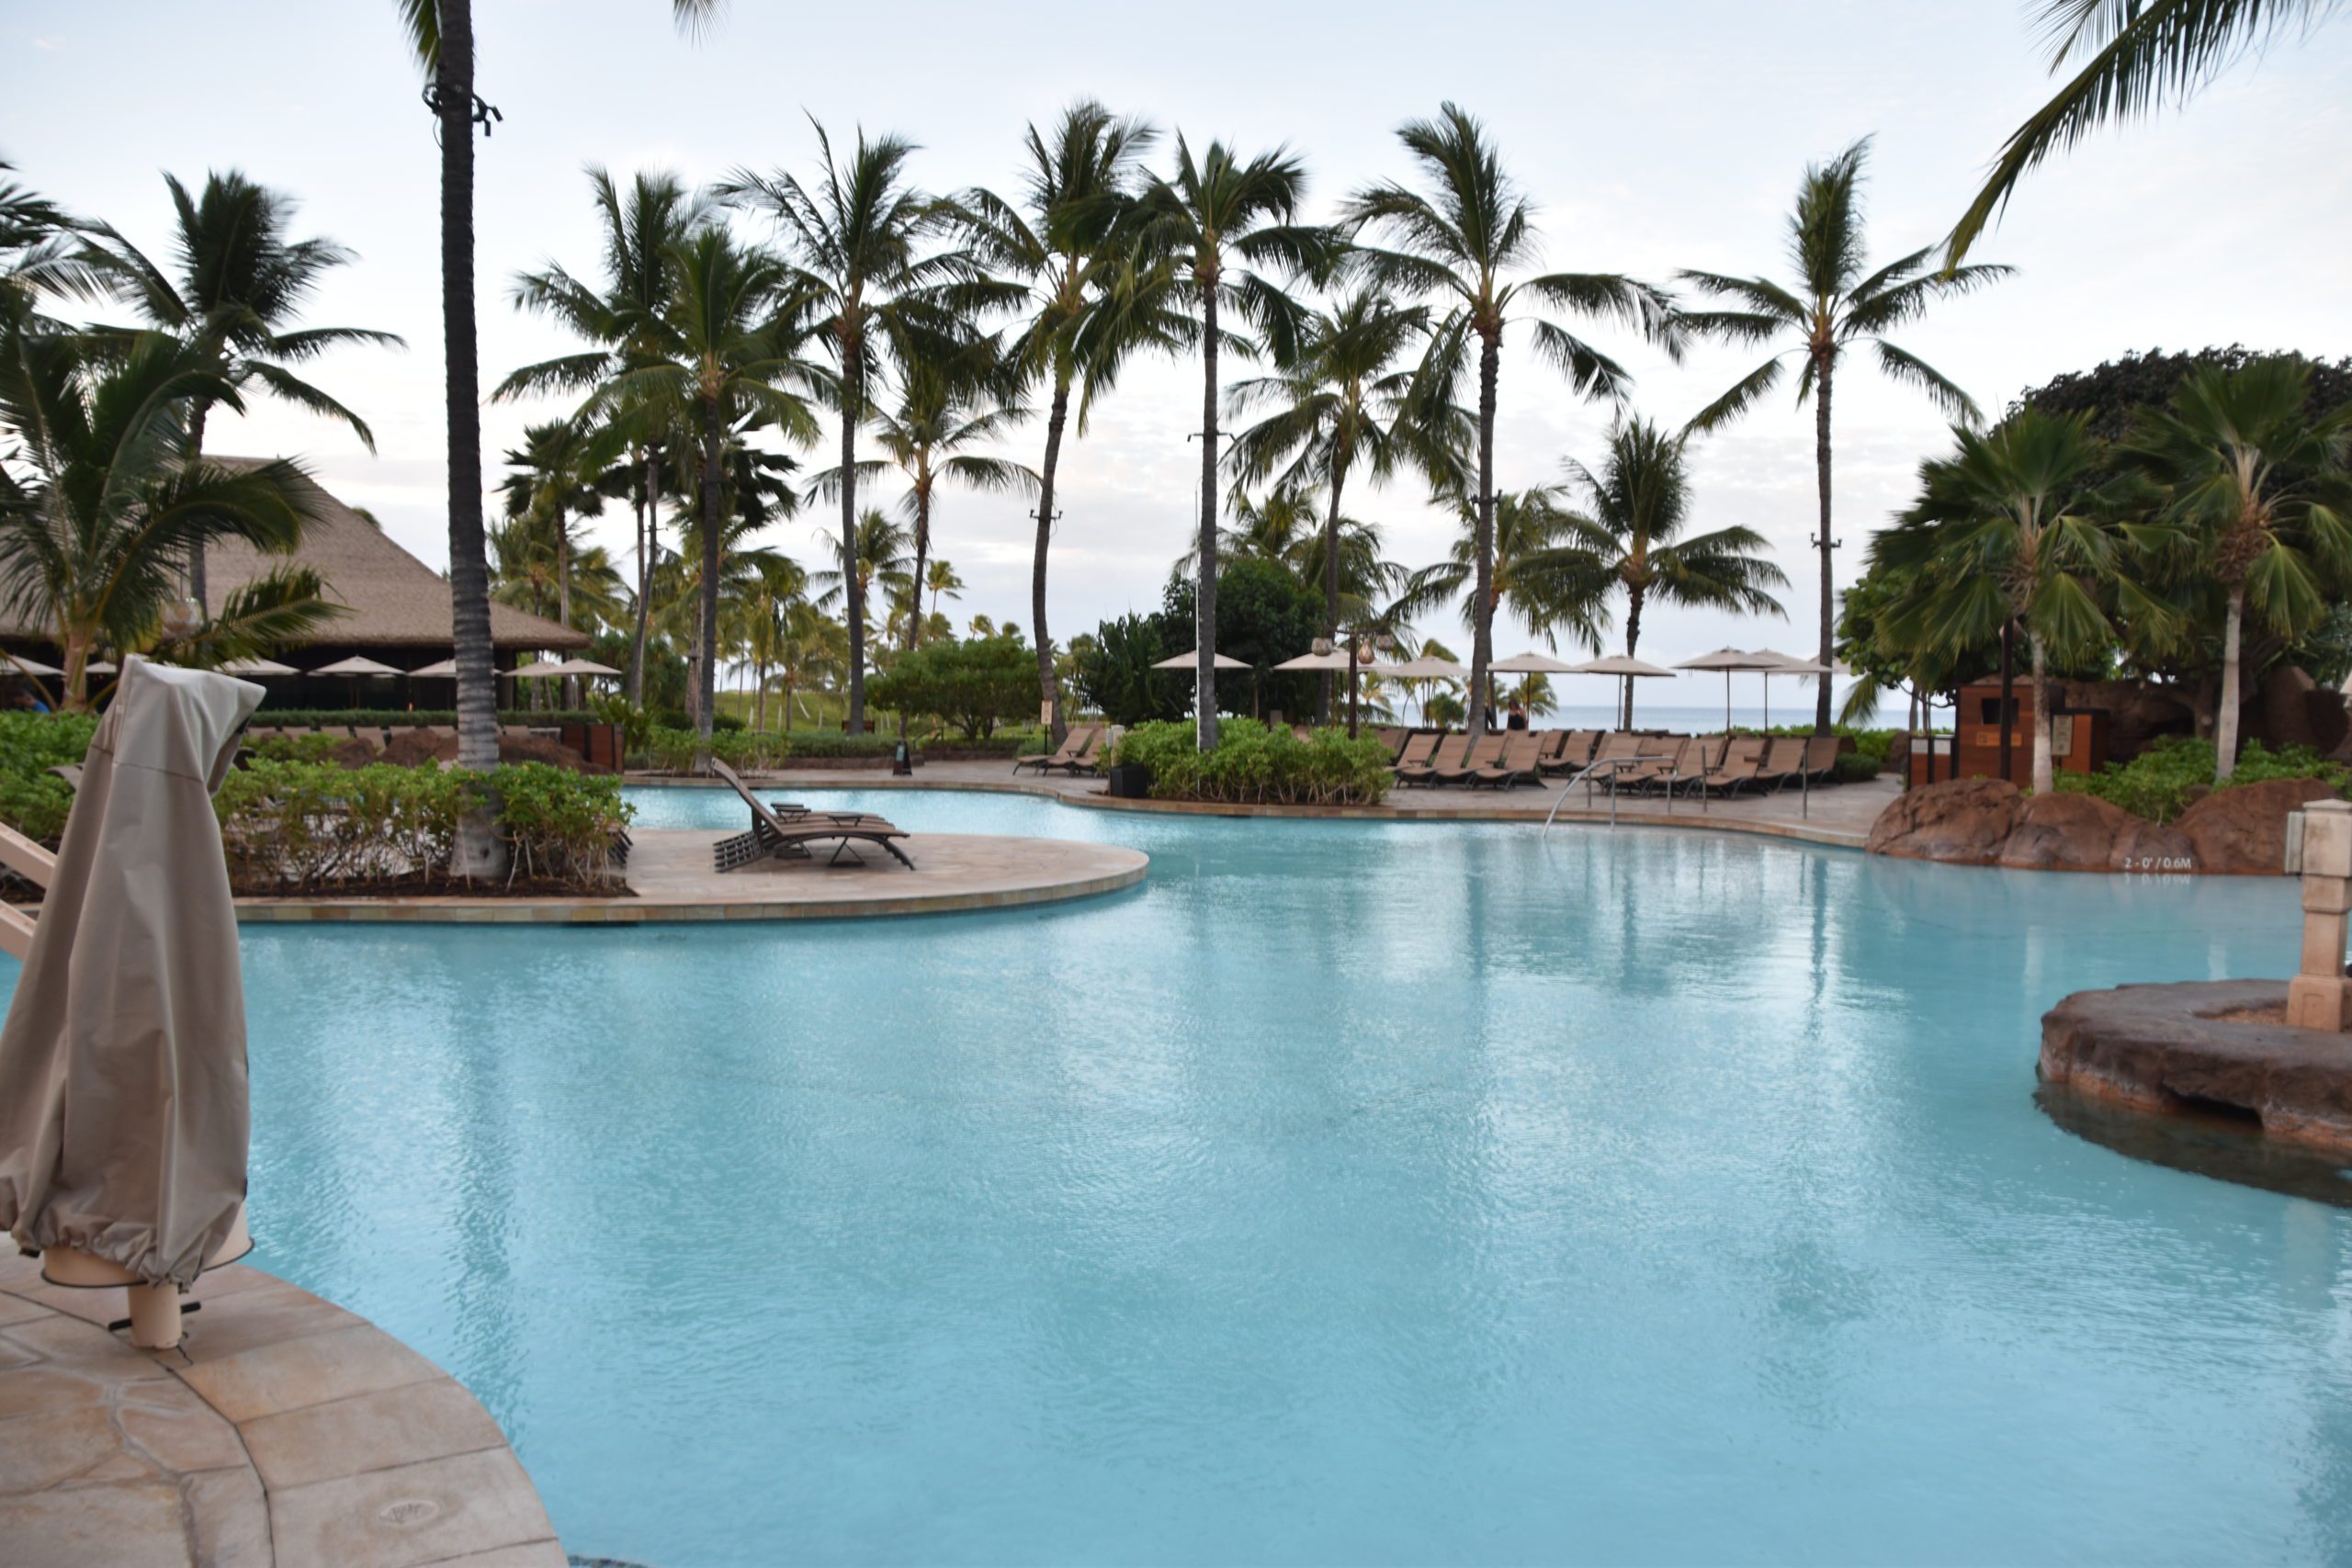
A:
1075, 741
1783, 763
1574, 751
1743, 760
1485, 752
1446, 761
1089, 756
776, 836
1517, 765
1416, 752
1698, 759
1654, 758
1821, 757
1391, 737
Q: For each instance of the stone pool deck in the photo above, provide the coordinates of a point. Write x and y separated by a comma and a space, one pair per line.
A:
1837, 814
672, 876
283, 1432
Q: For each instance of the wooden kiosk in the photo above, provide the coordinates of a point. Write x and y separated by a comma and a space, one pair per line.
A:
2078, 737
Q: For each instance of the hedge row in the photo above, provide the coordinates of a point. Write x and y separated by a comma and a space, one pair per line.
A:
1256, 766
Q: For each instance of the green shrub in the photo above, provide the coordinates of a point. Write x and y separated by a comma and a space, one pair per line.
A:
1854, 767
973, 684
33, 800
1255, 765
294, 828
398, 719
2176, 771
1873, 744
671, 750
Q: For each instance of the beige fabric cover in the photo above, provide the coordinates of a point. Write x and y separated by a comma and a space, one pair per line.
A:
122, 1065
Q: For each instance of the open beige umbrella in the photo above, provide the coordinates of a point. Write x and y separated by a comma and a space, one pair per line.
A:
22, 665
1531, 664
250, 667
358, 668
446, 669
1193, 661
1728, 660
123, 1115
1778, 663
1628, 669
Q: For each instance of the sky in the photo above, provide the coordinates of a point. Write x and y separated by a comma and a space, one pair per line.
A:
1651, 136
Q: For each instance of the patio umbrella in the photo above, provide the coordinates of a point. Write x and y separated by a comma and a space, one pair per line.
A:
123, 1115
1728, 660
445, 671
31, 666
1781, 665
1192, 661
1628, 669
1422, 670
1531, 664
1337, 660
250, 666
356, 667
98, 667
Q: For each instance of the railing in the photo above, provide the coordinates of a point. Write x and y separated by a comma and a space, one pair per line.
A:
1616, 765
36, 866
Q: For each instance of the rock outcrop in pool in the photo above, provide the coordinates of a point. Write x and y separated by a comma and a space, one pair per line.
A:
2231, 832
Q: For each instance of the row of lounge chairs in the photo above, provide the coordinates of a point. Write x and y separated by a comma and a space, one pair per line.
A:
1082, 751
1718, 764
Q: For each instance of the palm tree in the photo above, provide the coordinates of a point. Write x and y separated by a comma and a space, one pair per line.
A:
929, 438
2003, 537
623, 319
554, 478
1832, 306
1212, 225
872, 295
103, 498
939, 579
1286, 528
727, 353
441, 37
881, 558
1537, 570
1468, 239
810, 650
1086, 308
2258, 486
2135, 56
236, 287
1350, 396
1631, 530
777, 588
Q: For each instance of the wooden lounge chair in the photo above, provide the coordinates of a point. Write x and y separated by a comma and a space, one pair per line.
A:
1075, 741
1655, 756
1089, 756
1698, 758
1821, 757
1446, 761
1517, 765
1574, 751
1392, 737
1485, 751
1417, 750
777, 836
1743, 756
1783, 763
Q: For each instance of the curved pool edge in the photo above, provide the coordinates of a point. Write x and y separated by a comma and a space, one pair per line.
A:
1066, 794
673, 883
283, 1429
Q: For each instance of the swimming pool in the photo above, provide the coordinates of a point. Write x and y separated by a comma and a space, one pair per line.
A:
1349, 1192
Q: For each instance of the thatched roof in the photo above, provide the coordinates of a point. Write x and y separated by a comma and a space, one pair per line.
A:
394, 599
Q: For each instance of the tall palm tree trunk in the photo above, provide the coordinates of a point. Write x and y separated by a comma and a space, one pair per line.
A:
1205, 594
2225, 726
563, 597
1482, 614
195, 418
647, 521
1330, 585
706, 634
1828, 616
477, 851
923, 548
853, 586
2042, 781
1047, 690
1633, 640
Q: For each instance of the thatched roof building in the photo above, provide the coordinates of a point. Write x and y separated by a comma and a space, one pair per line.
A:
397, 609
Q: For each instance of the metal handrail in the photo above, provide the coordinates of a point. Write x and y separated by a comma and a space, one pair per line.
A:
1616, 766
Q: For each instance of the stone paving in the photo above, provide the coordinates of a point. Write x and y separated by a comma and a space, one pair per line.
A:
283, 1430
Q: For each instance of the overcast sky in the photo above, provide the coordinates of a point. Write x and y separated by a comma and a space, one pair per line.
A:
1652, 136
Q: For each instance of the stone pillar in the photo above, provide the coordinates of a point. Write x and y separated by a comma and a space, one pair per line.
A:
2319, 997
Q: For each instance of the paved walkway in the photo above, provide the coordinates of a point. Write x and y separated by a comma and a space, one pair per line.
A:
284, 1430
671, 878
1835, 814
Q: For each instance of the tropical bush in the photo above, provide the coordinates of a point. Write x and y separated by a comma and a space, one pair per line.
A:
2176, 771
1115, 673
1254, 765
973, 684
294, 828
400, 718
33, 800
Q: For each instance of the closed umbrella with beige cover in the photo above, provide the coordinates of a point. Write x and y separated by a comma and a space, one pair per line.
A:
123, 1063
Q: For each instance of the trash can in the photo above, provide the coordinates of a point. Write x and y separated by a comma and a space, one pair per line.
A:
1131, 781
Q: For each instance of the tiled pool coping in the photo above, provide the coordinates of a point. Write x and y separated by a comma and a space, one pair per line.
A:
283, 1430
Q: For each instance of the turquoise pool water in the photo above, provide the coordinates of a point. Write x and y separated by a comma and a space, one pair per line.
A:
1348, 1193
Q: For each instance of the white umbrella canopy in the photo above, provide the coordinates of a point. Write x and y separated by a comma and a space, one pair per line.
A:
1626, 667
256, 667
1531, 664
584, 667
1192, 661
97, 667
1728, 660
446, 669
1423, 669
356, 665
29, 666
1782, 664
1336, 660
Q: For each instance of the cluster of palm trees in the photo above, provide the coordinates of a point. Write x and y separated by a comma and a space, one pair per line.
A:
107, 499
2226, 509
